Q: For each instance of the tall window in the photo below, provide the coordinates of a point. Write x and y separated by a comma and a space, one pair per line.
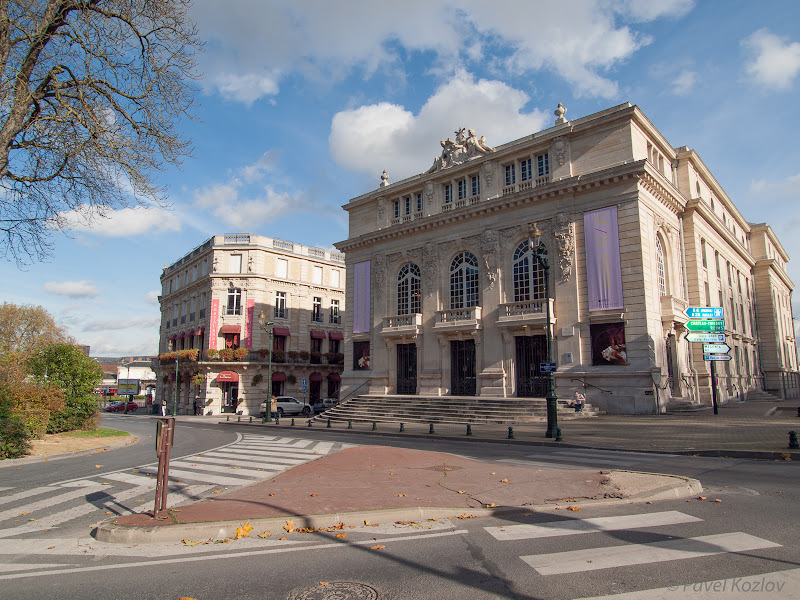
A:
511, 177
204, 268
183, 313
316, 310
419, 202
192, 311
662, 279
236, 263
448, 193
317, 276
529, 282
462, 189
408, 290
280, 305
703, 252
464, 281
543, 165
476, 185
408, 204
335, 318
716, 260
234, 301
282, 268
175, 316
525, 170
396, 209
203, 305
335, 278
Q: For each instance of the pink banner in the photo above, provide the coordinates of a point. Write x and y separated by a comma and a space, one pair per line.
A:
248, 325
361, 292
213, 325
603, 269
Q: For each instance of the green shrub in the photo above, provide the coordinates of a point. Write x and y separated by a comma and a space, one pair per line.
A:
14, 439
80, 414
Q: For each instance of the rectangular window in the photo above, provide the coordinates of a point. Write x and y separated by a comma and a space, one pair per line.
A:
280, 305
419, 202
194, 273
335, 278
317, 276
193, 312
236, 263
183, 313
511, 177
316, 347
203, 306
177, 283
448, 193
408, 205
396, 209
316, 310
333, 346
703, 252
708, 294
282, 268
525, 170
476, 185
170, 286
175, 316
543, 165
234, 301
462, 189
335, 311
204, 268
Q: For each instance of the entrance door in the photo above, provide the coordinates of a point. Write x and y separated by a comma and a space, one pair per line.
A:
462, 368
230, 397
406, 368
531, 350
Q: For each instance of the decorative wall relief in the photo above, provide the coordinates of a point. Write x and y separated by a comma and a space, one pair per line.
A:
381, 209
559, 149
379, 270
430, 267
489, 246
429, 192
565, 238
488, 170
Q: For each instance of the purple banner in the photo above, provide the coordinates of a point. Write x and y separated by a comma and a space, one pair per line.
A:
603, 270
361, 290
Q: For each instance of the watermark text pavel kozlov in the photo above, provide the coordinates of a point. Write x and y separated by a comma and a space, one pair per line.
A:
754, 584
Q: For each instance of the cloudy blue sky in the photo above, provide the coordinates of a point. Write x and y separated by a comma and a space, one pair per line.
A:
303, 104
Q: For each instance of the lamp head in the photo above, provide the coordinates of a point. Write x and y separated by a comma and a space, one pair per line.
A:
535, 234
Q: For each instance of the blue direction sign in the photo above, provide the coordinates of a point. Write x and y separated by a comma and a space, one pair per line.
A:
704, 312
717, 357
548, 367
708, 338
305, 381
716, 348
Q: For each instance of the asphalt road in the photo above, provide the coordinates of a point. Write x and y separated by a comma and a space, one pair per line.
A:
638, 547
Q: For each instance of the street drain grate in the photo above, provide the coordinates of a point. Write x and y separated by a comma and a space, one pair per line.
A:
336, 590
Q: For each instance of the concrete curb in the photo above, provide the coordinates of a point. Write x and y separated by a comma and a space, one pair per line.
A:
108, 532
27, 460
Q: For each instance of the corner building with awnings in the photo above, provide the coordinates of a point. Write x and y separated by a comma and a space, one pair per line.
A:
213, 347
446, 297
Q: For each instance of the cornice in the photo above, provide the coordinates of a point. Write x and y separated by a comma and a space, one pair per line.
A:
654, 182
769, 264
699, 206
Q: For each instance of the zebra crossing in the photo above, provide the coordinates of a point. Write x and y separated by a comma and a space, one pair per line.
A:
663, 547
56, 506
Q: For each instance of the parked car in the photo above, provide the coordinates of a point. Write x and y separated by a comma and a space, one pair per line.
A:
120, 406
289, 406
324, 404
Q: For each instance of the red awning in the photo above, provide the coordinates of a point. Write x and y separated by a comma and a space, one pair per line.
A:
335, 377
279, 376
230, 329
281, 331
172, 338
317, 335
315, 377
182, 335
190, 333
200, 331
335, 335
228, 376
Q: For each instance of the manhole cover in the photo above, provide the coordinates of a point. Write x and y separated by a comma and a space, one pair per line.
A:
442, 468
336, 590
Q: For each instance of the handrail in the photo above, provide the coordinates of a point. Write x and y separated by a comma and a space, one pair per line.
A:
590, 385
355, 390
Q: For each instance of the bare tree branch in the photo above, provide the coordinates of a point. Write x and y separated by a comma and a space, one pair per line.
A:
91, 96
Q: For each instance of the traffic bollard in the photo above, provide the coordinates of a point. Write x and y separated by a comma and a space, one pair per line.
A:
292, 421
349, 424
558, 434
374, 426
510, 433
469, 429
430, 430
793, 445
402, 427
329, 424
251, 419
309, 422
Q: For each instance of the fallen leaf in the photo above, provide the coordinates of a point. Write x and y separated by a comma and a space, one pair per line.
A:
283, 538
378, 547
701, 497
51, 547
492, 473
366, 522
105, 483
717, 500
504, 481
272, 494
98, 466
31, 519
323, 583
462, 491
243, 531
217, 492
341, 535
108, 512
466, 516
266, 534
574, 508
289, 527
399, 495
492, 505
192, 543
313, 495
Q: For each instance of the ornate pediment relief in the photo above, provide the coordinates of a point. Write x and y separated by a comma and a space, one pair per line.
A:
465, 147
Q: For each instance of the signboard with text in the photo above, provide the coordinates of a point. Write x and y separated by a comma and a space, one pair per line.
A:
723, 357
706, 325
704, 312
707, 338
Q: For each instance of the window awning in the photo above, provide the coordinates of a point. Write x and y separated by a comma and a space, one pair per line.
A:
200, 331
284, 331
228, 376
335, 335
181, 335
172, 338
315, 377
230, 329
190, 333
335, 377
279, 376
318, 335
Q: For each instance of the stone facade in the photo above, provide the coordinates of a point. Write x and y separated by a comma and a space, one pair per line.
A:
447, 298
210, 332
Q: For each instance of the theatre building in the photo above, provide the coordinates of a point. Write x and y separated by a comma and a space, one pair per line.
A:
242, 310
598, 222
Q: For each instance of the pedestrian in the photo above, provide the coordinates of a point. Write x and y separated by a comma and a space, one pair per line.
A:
577, 401
273, 407
198, 409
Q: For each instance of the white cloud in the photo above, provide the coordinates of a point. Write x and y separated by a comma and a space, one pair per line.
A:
72, 289
684, 83
764, 190
370, 138
145, 322
261, 167
151, 297
773, 62
124, 222
254, 43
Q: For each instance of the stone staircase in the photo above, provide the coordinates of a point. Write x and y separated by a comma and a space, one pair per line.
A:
761, 396
449, 409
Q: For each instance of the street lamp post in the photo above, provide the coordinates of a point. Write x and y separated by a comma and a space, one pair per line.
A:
127, 397
539, 253
267, 326
175, 399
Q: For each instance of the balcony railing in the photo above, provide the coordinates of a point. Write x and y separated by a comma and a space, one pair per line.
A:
527, 312
402, 324
454, 319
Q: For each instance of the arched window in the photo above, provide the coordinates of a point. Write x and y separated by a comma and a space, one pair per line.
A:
408, 290
464, 281
529, 282
662, 279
